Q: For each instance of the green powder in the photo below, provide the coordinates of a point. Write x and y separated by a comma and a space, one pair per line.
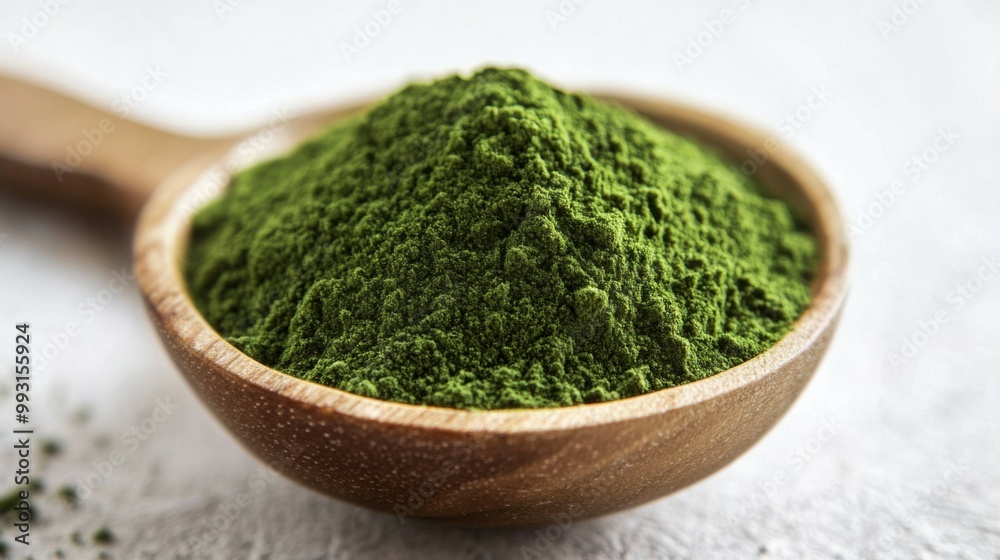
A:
492, 242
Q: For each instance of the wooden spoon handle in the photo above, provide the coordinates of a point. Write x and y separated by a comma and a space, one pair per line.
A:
65, 151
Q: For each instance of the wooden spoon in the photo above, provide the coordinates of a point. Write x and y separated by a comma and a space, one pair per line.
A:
496, 468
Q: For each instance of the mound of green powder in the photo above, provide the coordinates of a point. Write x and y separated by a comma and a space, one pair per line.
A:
493, 242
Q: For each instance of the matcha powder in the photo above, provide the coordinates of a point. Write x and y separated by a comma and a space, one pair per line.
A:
492, 242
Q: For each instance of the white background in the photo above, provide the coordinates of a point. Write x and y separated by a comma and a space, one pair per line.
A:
911, 469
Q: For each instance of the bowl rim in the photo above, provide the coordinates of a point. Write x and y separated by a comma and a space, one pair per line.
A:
161, 238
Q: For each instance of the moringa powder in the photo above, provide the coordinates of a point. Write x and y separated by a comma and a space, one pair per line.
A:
493, 242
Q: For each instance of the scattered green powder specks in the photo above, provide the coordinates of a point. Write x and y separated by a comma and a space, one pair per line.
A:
68, 495
51, 447
492, 242
12, 498
9, 500
103, 536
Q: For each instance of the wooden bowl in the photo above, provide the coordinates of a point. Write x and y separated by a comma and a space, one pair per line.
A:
510, 467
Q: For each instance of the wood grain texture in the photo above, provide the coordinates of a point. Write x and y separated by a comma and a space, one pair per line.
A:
498, 468
65, 152
107, 163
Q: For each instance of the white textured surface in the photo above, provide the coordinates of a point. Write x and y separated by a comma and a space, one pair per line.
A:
913, 468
